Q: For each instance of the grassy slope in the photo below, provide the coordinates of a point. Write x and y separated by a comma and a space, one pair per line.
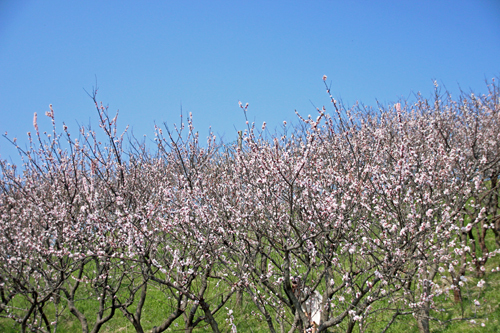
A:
488, 313
246, 315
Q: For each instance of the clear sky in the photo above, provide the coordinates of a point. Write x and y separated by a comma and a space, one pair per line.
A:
151, 57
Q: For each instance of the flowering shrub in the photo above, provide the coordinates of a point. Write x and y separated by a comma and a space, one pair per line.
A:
357, 212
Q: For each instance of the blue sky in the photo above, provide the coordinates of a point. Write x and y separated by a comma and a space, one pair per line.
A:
151, 57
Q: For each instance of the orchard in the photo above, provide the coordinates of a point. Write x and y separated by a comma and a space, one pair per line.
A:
357, 220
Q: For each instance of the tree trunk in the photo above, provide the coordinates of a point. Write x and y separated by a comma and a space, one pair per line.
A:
457, 293
239, 298
423, 320
208, 316
423, 314
350, 326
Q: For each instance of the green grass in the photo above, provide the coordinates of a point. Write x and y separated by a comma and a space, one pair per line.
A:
246, 319
246, 316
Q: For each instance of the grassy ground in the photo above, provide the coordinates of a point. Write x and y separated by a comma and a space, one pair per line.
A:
461, 317
487, 314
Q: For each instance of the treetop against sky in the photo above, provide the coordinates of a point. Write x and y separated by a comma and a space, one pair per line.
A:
152, 60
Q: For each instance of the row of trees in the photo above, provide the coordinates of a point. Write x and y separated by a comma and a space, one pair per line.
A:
379, 212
